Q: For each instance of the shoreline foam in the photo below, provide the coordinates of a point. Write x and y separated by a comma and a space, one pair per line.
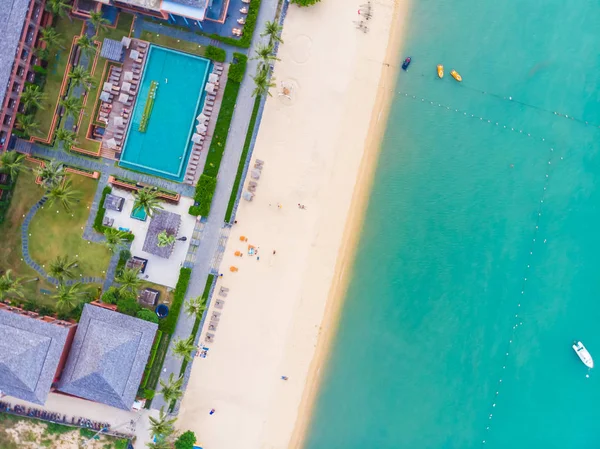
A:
354, 222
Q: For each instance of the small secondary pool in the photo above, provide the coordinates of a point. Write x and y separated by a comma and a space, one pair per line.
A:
139, 214
164, 148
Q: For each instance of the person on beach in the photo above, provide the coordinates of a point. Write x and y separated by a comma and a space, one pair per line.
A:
284, 378
212, 411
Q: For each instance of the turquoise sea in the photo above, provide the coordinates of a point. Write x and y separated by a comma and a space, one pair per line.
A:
479, 261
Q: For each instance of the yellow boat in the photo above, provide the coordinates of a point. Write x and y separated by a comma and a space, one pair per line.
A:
456, 76
440, 69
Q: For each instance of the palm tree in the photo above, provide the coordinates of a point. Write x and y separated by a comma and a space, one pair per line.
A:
130, 281
171, 390
61, 268
263, 84
162, 427
87, 45
115, 238
32, 96
11, 162
58, 7
10, 285
160, 443
68, 138
81, 77
147, 199
51, 38
264, 53
63, 193
51, 174
69, 296
27, 124
273, 30
182, 348
165, 239
72, 106
98, 21
196, 307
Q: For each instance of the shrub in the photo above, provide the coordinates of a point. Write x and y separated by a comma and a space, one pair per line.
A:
57, 429
110, 296
168, 324
149, 394
186, 440
124, 256
128, 306
147, 315
215, 53
40, 70
237, 69
121, 444
305, 2
205, 189
101, 211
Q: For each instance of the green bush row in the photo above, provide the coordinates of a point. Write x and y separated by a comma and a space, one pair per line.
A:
6, 197
240, 170
151, 359
98, 226
205, 190
168, 324
215, 53
237, 68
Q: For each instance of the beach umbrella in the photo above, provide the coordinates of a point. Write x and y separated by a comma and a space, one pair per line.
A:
111, 143
105, 96
210, 88
119, 121
128, 76
123, 98
134, 54
213, 78
126, 41
202, 118
126, 86
197, 138
107, 87
201, 127
255, 173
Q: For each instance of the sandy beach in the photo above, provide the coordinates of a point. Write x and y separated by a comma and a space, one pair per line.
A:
319, 146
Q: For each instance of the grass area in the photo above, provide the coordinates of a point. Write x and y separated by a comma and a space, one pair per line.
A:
55, 232
175, 44
240, 170
18, 432
57, 63
26, 194
166, 293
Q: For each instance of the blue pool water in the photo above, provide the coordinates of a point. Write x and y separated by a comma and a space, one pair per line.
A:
164, 148
478, 261
139, 214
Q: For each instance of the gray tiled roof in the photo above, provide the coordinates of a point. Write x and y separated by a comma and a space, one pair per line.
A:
112, 50
161, 221
29, 354
114, 202
108, 356
12, 17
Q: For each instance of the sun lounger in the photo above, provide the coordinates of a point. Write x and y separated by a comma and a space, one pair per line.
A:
252, 186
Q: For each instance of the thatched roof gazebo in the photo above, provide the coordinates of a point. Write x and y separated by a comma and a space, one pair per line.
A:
161, 221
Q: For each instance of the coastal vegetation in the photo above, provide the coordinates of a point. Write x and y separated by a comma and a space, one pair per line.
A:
305, 2
215, 53
168, 324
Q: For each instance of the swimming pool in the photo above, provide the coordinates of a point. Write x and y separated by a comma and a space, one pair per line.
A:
139, 214
163, 149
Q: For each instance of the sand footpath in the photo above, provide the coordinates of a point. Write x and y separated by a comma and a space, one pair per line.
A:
319, 145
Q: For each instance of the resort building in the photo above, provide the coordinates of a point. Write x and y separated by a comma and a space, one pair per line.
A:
33, 352
20, 21
194, 10
108, 357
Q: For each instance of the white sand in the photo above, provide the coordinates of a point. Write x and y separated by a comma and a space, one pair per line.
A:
320, 149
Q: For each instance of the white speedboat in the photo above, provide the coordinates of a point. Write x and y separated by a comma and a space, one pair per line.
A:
583, 354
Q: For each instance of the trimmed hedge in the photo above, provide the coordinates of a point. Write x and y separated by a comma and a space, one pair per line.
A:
147, 315
205, 190
168, 324
219, 139
237, 68
241, 165
101, 211
215, 53
152, 370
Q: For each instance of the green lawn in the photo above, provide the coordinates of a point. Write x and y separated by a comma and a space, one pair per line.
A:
57, 63
176, 44
26, 194
55, 232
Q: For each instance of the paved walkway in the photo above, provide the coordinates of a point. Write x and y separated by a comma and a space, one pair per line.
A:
227, 173
157, 28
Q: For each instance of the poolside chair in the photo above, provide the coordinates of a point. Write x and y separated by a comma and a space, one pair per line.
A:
252, 186
241, 20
